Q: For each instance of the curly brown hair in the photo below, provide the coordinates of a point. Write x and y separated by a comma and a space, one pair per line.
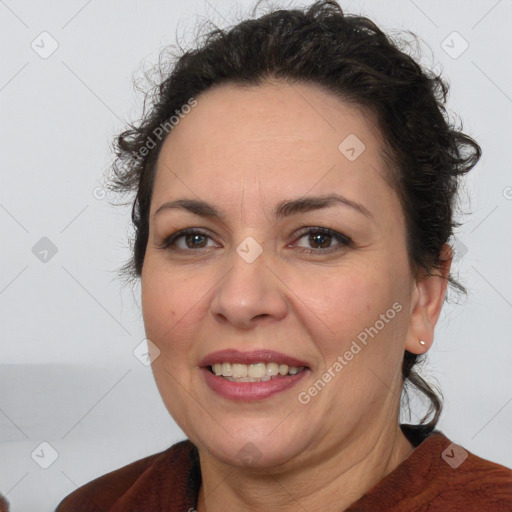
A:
349, 56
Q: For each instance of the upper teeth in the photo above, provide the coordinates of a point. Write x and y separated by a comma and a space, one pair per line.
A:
255, 371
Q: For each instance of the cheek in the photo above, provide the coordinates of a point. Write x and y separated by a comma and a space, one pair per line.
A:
344, 302
358, 314
167, 301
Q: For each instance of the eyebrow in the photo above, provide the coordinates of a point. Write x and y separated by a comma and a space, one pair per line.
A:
283, 209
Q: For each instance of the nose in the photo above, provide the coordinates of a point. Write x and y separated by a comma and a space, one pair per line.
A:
250, 293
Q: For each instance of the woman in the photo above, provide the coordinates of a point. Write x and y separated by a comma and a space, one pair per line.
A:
295, 179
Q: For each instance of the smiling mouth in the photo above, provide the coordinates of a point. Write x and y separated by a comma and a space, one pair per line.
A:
257, 372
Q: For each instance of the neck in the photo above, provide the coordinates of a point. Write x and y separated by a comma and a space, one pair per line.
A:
336, 481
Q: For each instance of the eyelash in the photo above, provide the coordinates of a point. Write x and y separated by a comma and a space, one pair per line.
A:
344, 241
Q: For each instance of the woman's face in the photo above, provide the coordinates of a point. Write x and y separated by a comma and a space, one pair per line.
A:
255, 168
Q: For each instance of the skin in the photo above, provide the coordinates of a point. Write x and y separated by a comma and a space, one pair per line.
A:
244, 150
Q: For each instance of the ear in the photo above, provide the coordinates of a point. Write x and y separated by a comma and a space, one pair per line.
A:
427, 299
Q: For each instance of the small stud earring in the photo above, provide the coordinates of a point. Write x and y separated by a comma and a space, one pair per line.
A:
422, 342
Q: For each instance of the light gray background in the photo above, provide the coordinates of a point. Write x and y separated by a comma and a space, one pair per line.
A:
68, 375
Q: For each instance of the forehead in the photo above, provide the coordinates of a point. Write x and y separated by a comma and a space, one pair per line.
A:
284, 139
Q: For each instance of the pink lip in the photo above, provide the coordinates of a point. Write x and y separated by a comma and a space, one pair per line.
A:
250, 391
253, 357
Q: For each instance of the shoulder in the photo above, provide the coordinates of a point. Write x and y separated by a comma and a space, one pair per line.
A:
481, 481
103, 492
450, 462
440, 475
4, 507
450, 477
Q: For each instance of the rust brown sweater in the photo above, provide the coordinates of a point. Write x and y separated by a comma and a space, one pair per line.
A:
3, 504
426, 481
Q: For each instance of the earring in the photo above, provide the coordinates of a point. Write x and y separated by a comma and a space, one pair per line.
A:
422, 342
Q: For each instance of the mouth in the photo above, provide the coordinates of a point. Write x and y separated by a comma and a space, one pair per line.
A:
257, 372
251, 375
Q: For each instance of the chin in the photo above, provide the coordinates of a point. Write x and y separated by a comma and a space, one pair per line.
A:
253, 454
252, 447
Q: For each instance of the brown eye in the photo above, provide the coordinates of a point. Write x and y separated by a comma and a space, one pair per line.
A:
194, 241
322, 240
186, 240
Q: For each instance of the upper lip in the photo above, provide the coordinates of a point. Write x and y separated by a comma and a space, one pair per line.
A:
252, 357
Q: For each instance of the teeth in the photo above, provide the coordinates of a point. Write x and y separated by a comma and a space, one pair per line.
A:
239, 370
226, 370
272, 369
258, 372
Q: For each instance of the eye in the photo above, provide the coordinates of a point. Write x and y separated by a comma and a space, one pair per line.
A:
321, 239
187, 239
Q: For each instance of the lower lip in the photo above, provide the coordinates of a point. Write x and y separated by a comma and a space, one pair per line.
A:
250, 391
